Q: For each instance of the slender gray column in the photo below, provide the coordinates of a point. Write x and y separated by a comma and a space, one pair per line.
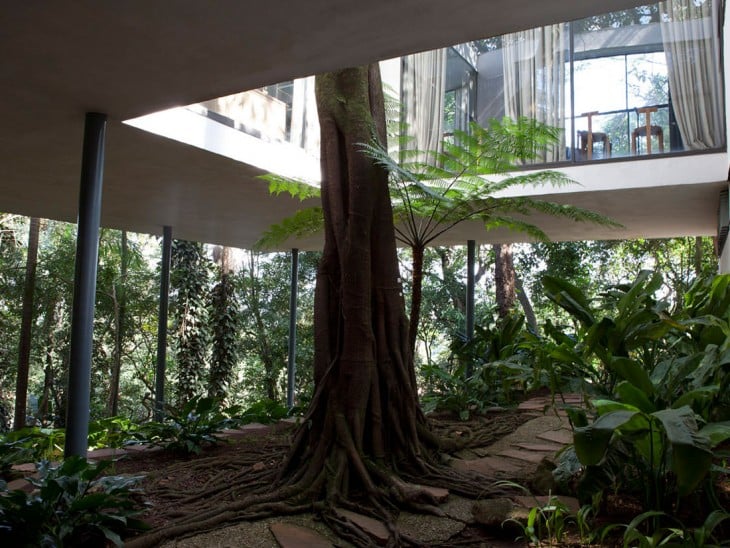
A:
470, 259
291, 369
162, 323
87, 256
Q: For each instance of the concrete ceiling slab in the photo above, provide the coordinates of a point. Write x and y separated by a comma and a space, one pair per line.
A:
62, 59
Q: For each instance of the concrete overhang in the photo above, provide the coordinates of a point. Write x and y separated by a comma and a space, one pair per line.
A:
129, 59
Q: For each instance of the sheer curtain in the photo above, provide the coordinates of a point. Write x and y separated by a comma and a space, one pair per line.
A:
693, 52
423, 99
534, 78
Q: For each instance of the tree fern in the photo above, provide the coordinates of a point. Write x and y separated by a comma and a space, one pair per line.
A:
467, 181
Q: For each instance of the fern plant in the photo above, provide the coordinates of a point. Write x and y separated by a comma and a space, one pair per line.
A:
466, 181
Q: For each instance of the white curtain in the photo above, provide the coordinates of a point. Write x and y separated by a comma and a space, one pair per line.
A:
423, 99
304, 128
534, 78
693, 52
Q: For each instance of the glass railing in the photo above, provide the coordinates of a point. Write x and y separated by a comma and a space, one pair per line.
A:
622, 132
632, 84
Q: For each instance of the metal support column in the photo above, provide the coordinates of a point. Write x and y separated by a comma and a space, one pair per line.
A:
162, 323
292, 365
87, 256
470, 259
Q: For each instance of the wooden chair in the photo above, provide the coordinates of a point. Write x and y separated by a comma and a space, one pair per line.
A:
647, 131
586, 139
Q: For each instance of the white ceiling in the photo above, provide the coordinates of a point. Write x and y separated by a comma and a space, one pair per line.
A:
126, 59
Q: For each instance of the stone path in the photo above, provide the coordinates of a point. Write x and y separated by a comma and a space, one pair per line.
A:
514, 457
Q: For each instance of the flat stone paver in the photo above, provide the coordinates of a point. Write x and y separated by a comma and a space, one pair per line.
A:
523, 454
543, 447
25, 468
372, 527
106, 453
20, 485
289, 535
562, 436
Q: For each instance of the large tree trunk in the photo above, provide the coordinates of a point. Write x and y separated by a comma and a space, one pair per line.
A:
698, 255
416, 297
120, 316
21, 385
504, 278
364, 417
266, 353
526, 305
364, 439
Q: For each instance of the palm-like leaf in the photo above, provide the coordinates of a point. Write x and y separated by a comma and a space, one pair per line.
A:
296, 188
305, 222
463, 182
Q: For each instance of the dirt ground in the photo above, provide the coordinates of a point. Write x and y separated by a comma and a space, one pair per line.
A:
168, 477
173, 484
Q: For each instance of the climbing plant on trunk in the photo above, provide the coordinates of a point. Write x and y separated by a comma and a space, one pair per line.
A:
189, 280
224, 316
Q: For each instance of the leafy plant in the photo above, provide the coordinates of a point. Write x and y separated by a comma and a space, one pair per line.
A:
189, 275
544, 521
264, 411
111, 432
190, 429
646, 531
662, 373
452, 391
71, 506
670, 452
585, 528
497, 358
30, 445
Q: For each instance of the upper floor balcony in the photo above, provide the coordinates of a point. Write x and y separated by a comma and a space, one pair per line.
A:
623, 85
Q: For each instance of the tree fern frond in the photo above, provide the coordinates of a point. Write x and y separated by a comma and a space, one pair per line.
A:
567, 211
296, 188
555, 179
305, 222
516, 225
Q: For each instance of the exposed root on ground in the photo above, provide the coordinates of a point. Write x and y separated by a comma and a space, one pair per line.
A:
247, 485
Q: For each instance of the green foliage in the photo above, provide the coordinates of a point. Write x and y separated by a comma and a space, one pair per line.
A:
303, 223
666, 447
265, 411
499, 370
225, 321
296, 188
34, 444
191, 428
71, 506
461, 183
659, 371
189, 279
111, 432
30, 445
263, 287
646, 531
546, 523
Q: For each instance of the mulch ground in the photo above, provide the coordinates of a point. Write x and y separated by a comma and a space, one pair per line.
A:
174, 483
